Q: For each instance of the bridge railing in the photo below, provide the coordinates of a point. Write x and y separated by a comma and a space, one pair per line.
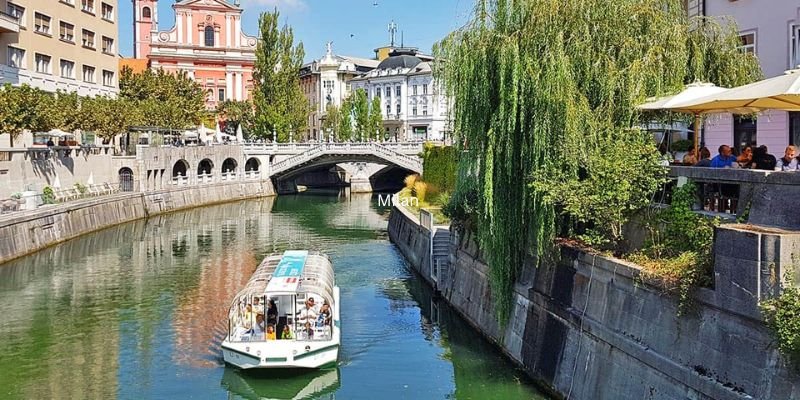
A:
392, 155
405, 147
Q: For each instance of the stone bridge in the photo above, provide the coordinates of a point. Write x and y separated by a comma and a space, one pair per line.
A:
359, 162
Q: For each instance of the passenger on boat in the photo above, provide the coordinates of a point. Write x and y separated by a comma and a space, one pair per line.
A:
258, 328
287, 332
324, 317
308, 313
248, 317
272, 312
308, 331
257, 306
271, 332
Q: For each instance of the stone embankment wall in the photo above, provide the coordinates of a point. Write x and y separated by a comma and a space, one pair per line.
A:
26, 232
588, 329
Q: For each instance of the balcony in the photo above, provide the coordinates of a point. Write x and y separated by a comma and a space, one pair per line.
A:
8, 23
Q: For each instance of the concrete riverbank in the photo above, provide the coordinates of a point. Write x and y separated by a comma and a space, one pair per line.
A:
23, 233
588, 329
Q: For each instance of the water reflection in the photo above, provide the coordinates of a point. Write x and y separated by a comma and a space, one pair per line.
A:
138, 311
284, 385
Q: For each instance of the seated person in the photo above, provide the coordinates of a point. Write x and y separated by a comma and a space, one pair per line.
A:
248, 317
257, 306
258, 327
271, 332
287, 333
308, 313
308, 331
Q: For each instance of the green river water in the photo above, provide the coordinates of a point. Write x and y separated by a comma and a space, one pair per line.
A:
138, 311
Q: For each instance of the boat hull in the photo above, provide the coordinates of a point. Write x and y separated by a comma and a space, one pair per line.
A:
281, 354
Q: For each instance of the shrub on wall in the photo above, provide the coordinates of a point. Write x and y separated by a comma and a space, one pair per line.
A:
782, 316
48, 196
440, 166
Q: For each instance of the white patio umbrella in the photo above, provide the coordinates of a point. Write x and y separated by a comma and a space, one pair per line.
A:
57, 182
90, 181
239, 134
218, 133
678, 103
58, 133
778, 93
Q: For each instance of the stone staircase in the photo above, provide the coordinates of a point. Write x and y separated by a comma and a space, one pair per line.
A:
440, 262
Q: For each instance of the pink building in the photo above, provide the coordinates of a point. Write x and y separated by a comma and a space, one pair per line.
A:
772, 32
206, 42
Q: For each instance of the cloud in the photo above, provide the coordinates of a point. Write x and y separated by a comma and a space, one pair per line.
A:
282, 4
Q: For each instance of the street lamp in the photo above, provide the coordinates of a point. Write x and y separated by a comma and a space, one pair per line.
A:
274, 136
291, 134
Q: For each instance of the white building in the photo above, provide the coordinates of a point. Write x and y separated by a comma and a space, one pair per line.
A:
413, 107
771, 31
327, 81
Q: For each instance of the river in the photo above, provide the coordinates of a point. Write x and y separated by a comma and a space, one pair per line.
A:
137, 311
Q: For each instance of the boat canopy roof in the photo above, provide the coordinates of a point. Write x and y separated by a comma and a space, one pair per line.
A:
293, 272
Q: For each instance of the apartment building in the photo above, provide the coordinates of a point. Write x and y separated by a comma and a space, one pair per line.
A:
68, 45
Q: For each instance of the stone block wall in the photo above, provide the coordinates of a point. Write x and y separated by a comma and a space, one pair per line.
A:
587, 328
412, 239
26, 232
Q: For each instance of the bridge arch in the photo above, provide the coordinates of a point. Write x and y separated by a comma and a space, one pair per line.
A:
180, 168
252, 164
230, 165
205, 167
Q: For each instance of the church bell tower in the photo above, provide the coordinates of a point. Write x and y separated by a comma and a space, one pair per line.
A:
145, 25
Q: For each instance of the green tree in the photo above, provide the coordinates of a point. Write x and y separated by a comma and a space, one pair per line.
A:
238, 113
360, 110
107, 117
163, 99
23, 107
331, 121
344, 131
544, 95
375, 123
278, 98
62, 111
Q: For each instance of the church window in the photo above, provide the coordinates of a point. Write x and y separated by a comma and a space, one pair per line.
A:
209, 34
146, 12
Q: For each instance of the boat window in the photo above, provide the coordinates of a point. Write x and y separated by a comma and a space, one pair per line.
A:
314, 318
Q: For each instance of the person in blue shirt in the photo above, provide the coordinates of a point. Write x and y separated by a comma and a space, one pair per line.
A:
788, 162
724, 159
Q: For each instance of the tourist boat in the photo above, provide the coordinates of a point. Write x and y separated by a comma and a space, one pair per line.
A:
293, 297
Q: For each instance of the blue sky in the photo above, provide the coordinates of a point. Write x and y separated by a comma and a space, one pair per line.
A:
315, 22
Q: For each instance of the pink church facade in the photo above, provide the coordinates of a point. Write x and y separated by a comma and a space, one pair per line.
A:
206, 42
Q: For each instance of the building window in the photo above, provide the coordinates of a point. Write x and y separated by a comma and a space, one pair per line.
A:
16, 57
67, 69
108, 78
221, 95
388, 92
748, 42
88, 6
414, 110
425, 89
17, 12
414, 90
146, 12
70, 2
794, 128
397, 90
388, 109
108, 12
378, 92
42, 63
210, 36
66, 32
424, 109
108, 45
398, 109
794, 46
88, 39
744, 133
41, 23
88, 74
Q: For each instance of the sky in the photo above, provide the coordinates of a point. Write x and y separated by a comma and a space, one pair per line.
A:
355, 27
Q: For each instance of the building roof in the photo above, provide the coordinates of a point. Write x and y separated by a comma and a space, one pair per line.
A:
362, 62
136, 65
400, 61
207, 3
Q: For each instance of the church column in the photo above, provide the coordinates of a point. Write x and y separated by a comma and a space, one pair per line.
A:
237, 33
239, 88
227, 31
179, 27
189, 28
229, 85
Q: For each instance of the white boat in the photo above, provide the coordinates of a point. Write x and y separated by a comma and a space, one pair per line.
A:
287, 316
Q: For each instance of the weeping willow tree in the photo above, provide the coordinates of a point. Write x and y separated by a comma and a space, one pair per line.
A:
544, 95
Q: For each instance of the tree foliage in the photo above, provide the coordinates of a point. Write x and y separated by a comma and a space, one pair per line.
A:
238, 113
544, 95
163, 99
278, 98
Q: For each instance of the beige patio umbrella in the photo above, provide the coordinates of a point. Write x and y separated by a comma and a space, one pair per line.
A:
778, 93
681, 102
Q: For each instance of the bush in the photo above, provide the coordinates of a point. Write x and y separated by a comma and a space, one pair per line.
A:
410, 180
48, 195
440, 166
420, 190
782, 316
681, 145
81, 188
